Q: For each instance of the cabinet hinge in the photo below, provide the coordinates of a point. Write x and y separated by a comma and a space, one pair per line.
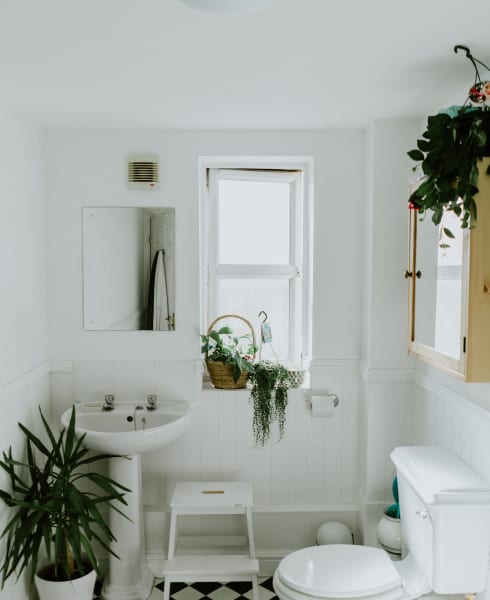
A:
464, 345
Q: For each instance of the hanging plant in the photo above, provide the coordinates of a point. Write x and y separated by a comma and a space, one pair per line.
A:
270, 384
454, 142
450, 150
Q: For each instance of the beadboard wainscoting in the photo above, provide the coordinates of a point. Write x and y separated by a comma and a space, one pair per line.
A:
20, 399
419, 406
386, 422
311, 476
445, 417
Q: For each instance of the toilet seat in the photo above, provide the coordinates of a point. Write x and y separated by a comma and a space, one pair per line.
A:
338, 571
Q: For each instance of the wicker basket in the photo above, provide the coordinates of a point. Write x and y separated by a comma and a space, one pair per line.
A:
296, 376
221, 374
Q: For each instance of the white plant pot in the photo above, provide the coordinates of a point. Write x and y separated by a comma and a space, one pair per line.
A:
389, 534
81, 588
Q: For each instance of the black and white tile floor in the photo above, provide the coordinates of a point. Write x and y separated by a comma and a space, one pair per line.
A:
210, 590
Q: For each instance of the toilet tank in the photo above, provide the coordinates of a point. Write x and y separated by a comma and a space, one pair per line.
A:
445, 518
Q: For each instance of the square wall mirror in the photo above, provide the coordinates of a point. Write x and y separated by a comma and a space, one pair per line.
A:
128, 269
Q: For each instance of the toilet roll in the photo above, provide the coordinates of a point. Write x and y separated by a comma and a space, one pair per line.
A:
322, 406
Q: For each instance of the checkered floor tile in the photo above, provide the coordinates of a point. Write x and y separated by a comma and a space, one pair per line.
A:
210, 590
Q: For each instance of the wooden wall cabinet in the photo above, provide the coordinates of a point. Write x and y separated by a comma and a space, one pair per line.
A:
449, 291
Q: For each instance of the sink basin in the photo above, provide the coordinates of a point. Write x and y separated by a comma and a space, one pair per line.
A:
128, 430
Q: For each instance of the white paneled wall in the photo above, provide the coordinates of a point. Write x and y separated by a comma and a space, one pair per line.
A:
388, 422
19, 402
302, 471
309, 477
443, 416
314, 466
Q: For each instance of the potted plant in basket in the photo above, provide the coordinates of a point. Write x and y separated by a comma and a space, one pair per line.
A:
229, 357
270, 384
52, 516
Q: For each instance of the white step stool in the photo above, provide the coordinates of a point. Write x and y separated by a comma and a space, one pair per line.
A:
211, 498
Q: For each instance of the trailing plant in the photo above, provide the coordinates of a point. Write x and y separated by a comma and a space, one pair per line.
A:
270, 384
49, 511
449, 151
224, 346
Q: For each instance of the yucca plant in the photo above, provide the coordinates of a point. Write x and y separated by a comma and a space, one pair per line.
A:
50, 513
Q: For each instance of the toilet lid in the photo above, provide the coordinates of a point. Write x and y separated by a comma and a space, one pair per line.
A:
339, 571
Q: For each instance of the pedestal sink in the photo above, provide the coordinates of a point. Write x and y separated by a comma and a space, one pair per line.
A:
129, 430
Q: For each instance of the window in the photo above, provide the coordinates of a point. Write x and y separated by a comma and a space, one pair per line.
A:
256, 258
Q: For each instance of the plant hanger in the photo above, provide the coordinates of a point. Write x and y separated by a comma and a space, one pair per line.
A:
476, 95
266, 335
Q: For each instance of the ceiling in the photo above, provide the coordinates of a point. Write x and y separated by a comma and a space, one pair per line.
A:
300, 64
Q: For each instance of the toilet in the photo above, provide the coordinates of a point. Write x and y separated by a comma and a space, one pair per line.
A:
445, 517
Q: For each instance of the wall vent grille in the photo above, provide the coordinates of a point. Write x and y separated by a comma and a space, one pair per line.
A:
143, 173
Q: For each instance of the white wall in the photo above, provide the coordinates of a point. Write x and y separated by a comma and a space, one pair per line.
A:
403, 400
89, 168
360, 192
386, 368
23, 323
314, 471
454, 414
24, 370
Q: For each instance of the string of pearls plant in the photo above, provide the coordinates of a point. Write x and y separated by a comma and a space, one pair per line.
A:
269, 393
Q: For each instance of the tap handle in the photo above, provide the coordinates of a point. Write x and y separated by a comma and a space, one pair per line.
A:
151, 400
109, 399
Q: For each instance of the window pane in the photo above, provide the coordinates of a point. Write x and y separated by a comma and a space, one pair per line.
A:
254, 222
247, 297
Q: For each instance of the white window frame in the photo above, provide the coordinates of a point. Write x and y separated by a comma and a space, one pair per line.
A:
299, 173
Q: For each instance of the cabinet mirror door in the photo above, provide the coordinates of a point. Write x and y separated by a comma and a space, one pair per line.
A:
438, 287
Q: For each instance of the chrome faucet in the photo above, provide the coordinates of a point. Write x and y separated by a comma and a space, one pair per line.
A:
108, 402
151, 401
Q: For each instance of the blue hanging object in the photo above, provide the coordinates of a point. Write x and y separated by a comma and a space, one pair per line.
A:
266, 333
265, 329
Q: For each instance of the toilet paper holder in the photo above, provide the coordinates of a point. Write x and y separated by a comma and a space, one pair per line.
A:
332, 400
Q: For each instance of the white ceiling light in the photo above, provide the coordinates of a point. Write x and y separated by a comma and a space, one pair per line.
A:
229, 7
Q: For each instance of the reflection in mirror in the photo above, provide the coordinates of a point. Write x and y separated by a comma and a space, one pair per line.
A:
128, 268
440, 290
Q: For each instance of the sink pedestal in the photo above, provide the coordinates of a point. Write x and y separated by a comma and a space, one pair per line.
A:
129, 430
128, 577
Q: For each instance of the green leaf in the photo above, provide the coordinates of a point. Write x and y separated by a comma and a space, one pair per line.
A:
45, 500
214, 335
225, 330
416, 155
